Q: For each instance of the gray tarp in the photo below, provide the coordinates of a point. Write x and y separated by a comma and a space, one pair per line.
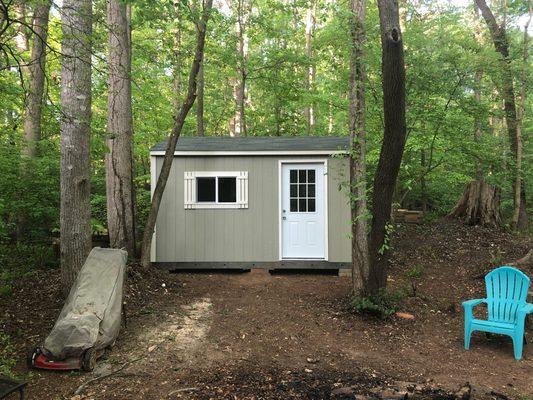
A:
91, 316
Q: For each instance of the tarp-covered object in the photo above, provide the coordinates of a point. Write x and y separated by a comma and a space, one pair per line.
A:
91, 316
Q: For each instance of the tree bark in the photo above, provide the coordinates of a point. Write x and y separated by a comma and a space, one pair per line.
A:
310, 22
22, 37
174, 135
479, 205
360, 255
200, 102
119, 158
176, 84
75, 214
519, 220
501, 44
394, 135
238, 123
34, 99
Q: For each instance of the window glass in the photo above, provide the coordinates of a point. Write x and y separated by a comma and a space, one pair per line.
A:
227, 190
302, 190
205, 190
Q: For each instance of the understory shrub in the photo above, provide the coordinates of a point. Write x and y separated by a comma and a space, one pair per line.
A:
7, 356
382, 305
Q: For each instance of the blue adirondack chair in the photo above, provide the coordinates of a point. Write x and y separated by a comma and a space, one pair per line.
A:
506, 307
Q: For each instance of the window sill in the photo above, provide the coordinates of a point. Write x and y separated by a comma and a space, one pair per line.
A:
207, 206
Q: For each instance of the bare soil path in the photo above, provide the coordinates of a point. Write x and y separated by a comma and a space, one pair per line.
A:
261, 336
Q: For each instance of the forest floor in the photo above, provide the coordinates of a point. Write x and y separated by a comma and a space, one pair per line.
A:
289, 336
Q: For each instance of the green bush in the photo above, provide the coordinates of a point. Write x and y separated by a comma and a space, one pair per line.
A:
382, 305
7, 356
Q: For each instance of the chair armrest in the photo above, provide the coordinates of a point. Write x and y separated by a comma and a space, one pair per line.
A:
469, 304
525, 309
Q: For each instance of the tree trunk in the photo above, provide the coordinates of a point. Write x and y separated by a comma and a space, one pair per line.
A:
239, 120
34, 100
174, 135
22, 37
394, 135
519, 219
75, 207
310, 22
501, 44
176, 84
200, 102
119, 159
360, 255
479, 205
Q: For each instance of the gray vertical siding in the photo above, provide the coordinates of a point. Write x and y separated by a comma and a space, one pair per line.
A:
240, 235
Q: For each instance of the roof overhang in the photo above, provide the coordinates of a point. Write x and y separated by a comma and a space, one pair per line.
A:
251, 153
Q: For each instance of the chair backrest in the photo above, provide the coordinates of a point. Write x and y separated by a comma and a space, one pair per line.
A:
506, 291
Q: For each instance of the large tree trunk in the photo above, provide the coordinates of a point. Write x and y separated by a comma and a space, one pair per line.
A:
22, 37
34, 100
174, 135
360, 255
310, 22
75, 206
119, 159
501, 44
394, 135
200, 102
479, 205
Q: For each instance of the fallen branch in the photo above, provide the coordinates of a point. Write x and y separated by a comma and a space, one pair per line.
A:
103, 376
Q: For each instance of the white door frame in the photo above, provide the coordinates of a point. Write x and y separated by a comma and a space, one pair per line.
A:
280, 200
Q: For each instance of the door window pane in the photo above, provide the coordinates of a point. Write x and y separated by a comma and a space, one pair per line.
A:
294, 190
311, 175
302, 205
311, 190
227, 190
303, 190
294, 205
311, 205
294, 176
302, 178
205, 190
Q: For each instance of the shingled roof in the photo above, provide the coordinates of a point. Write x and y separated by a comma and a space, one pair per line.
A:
257, 143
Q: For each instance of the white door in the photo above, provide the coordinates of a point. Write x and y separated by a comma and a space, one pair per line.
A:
303, 210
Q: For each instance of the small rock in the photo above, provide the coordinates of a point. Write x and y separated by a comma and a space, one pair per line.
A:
464, 392
308, 370
151, 348
312, 360
405, 315
343, 390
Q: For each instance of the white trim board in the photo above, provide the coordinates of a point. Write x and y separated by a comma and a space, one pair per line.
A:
252, 153
153, 182
280, 200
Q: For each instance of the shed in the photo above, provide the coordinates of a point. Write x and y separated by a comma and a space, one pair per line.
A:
253, 202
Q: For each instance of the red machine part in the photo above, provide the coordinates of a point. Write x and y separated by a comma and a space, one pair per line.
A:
41, 362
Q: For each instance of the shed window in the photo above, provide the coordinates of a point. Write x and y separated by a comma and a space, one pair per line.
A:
303, 190
221, 189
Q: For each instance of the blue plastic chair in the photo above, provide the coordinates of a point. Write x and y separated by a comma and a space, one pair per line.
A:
507, 308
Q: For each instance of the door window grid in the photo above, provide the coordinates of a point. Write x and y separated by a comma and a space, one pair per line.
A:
302, 190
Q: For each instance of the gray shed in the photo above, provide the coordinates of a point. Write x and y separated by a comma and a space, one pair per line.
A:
271, 202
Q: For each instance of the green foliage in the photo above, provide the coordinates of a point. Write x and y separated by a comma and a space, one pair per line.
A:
413, 276
382, 305
7, 356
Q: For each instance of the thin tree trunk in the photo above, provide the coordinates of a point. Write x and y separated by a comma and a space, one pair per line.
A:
394, 135
501, 44
519, 219
22, 37
239, 88
200, 102
174, 135
34, 100
75, 207
310, 22
177, 63
119, 158
360, 255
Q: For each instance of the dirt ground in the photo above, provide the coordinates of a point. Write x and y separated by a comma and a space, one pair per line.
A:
282, 336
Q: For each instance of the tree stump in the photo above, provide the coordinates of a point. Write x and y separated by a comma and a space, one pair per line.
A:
479, 205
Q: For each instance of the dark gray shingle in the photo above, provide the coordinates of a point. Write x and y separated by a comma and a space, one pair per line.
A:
257, 143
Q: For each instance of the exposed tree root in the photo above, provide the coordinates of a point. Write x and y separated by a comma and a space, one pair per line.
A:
479, 205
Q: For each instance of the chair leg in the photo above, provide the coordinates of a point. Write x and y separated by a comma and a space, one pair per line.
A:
468, 334
518, 345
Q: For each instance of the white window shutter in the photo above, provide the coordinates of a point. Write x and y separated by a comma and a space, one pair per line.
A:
188, 190
242, 189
